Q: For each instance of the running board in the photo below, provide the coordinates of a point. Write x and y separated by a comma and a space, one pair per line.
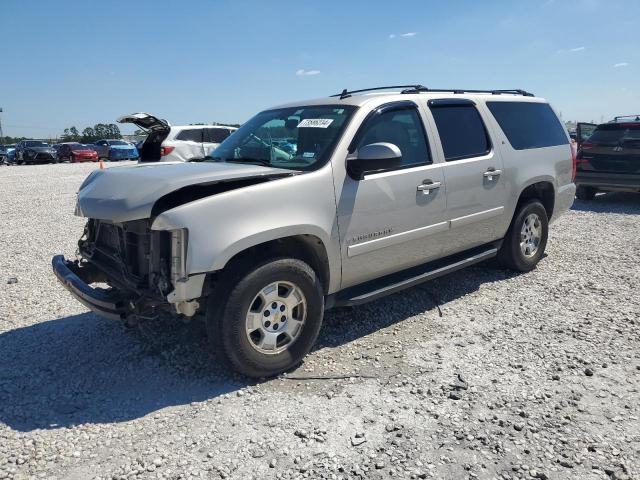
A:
396, 282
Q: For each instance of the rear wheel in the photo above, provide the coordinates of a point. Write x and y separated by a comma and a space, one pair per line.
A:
526, 239
586, 193
264, 322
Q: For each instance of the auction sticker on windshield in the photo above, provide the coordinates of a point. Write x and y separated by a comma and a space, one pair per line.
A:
315, 123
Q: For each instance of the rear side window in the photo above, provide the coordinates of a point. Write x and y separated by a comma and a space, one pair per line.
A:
190, 135
462, 131
528, 125
215, 135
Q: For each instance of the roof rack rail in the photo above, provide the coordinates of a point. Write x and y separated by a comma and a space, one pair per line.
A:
514, 91
636, 117
347, 93
420, 88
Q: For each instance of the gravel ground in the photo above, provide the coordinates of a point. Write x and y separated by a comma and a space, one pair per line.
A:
481, 374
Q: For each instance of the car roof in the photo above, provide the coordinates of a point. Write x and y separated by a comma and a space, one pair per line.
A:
362, 99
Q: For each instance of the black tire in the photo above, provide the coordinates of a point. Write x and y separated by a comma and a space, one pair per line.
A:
586, 193
230, 302
510, 254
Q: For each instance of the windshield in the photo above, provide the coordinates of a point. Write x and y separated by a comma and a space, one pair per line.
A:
117, 142
78, 146
298, 138
35, 143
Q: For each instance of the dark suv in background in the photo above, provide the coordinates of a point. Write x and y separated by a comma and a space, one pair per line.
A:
35, 151
608, 157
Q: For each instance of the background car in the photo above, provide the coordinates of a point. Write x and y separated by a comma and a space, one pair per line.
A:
5, 152
139, 144
10, 153
56, 147
182, 143
35, 151
608, 157
76, 152
115, 150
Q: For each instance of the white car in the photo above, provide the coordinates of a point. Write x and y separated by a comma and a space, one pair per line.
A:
182, 143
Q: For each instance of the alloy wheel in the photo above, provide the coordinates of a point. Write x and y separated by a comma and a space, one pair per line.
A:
530, 235
276, 317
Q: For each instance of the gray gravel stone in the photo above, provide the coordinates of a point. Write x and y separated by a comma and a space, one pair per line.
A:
83, 397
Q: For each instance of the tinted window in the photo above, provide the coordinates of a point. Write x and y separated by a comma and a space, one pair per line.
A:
529, 125
461, 130
35, 143
215, 135
402, 128
192, 134
616, 135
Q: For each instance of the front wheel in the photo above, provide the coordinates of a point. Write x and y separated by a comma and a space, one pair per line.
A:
265, 322
526, 239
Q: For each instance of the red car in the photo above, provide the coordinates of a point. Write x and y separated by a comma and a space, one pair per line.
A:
77, 152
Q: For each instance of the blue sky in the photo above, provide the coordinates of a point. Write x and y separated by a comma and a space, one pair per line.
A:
83, 62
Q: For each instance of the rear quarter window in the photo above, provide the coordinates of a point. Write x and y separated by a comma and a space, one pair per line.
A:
215, 135
528, 125
190, 134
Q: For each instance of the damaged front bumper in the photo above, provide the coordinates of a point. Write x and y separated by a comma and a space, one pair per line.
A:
116, 305
77, 280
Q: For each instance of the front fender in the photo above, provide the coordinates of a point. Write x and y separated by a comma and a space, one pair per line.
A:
225, 224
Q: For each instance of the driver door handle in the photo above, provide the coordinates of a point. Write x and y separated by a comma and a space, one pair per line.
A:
427, 186
492, 172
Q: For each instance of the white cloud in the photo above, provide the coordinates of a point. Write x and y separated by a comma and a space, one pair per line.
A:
303, 73
393, 35
409, 34
621, 64
571, 50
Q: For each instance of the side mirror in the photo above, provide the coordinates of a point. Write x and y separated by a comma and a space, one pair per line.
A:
372, 158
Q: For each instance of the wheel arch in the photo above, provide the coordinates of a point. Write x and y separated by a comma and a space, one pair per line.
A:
542, 190
306, 247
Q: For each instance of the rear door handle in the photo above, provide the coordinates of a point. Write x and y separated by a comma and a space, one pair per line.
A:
492, 173
428, 186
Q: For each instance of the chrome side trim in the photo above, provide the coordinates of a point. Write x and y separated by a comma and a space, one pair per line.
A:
476, 217
371, 245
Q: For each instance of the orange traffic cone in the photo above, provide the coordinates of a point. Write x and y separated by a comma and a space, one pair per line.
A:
101, 165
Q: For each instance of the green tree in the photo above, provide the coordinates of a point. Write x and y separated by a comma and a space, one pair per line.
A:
70, 135
114, 131
88, 135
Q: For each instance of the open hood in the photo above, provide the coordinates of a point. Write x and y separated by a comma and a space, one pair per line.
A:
146, 121
120, 194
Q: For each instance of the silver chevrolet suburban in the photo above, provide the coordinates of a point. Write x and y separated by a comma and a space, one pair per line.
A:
316, 204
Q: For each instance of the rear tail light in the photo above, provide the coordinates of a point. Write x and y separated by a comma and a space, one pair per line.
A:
574, 161
587, 145
166, 151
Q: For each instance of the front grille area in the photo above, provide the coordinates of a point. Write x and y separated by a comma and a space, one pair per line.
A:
130, 253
